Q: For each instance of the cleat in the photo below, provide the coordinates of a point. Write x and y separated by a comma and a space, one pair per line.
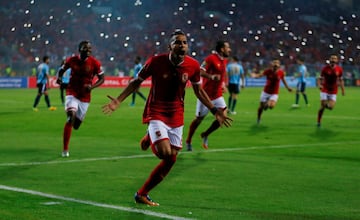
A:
145, 142
318, 124
65, 154
35, 109
189, 146
295, 105
145, 199
258, 121
205, 141
52, 108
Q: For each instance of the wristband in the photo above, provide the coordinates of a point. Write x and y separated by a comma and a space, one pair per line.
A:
213, 110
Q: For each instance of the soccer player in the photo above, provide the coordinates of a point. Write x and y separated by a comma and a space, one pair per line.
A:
84, 68
213, 71
137, 69
235, 72
164, 110
270, 94
65, 82
42, 83
301, 82
330, 78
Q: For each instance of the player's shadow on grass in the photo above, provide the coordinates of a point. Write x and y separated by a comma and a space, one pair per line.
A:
257, 128
323, 134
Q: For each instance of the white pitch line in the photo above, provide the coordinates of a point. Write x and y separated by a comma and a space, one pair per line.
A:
87, 202
186, 152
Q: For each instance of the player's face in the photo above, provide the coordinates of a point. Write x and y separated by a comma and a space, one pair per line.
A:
226, 50
178, 47
275, 64
333, 60
85, 50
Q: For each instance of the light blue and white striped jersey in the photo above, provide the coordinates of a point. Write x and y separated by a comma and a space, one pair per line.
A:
234, 71
42, 71
137, 69
302, 73
66, 76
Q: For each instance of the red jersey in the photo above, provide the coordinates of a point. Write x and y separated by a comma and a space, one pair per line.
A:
214, 64
272, 85
166, 97
82, 73
330, 78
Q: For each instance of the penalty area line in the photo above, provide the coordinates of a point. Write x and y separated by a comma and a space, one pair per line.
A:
92, 203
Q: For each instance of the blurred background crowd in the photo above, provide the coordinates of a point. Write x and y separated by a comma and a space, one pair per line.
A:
120, 30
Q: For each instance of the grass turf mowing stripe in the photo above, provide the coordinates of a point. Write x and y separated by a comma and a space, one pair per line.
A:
150, 155
87, 202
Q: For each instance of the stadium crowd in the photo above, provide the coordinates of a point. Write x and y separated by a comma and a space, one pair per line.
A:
121, 30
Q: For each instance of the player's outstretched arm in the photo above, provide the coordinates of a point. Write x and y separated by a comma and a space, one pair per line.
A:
115, 102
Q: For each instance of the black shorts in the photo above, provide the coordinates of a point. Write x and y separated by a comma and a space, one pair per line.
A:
301, 86
41, 88
63, 86
234, 88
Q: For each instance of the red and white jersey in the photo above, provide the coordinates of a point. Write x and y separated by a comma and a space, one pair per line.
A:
330, 78
273, 78
167, 92
82, 74
214, 64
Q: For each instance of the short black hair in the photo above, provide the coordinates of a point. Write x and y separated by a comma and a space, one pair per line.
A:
235, 58
82, 43
220, 44
300, 58
138, 58
45, 58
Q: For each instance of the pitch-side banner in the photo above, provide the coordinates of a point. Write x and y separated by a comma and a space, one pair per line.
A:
114, 82
110, 82
13, 82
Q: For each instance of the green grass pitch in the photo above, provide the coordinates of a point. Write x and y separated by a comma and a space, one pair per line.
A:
284, 168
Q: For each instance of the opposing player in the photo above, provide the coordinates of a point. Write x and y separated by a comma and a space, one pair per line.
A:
84, 68
270, 94
164, 110
65, 83
330, 78
213, 71
42, 83
137, 68
236, 75
301, 82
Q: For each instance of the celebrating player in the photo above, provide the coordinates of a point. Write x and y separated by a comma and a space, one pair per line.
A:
78, 93
164, 110
213, 71
270, 94
328, 82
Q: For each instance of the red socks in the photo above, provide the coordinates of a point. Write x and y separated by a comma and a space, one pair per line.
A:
157, 175
66, 136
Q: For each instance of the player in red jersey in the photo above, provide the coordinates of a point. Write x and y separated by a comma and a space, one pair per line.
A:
213, 71
84, 68
270, 94
328, 82
164, 110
